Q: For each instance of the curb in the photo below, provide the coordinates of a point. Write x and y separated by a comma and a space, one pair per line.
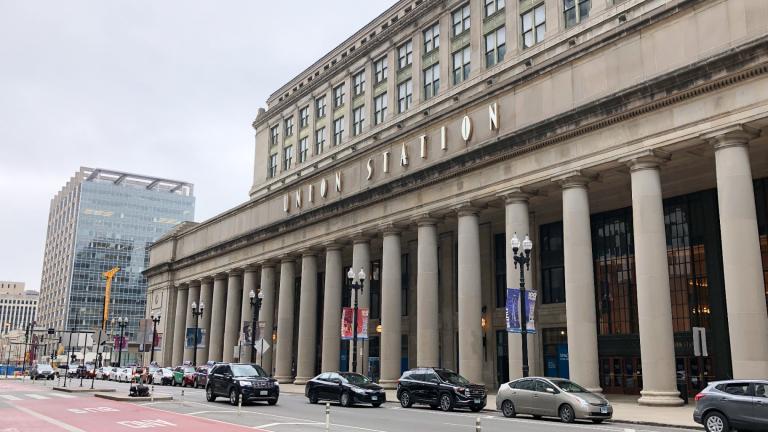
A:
123, 398
83, 390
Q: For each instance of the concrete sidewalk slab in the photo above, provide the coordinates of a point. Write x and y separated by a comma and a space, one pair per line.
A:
125, 398
82, 390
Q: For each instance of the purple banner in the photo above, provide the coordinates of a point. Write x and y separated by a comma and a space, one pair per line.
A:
513, 310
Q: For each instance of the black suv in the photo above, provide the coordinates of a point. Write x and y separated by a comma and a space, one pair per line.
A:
347, 388
236, 380
442, 388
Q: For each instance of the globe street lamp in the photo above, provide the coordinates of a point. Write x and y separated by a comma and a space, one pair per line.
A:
355, 285
523, 258
197, 312
122, 323
155, 321
255, 307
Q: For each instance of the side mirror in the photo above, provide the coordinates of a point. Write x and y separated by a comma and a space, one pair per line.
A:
551, 390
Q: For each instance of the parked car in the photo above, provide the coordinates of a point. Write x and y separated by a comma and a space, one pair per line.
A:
124, 374
163, 376
44, 371
87, 371
441, 388
347, 388
236, 380
201, 376
551, 397
72, 370
151, 370
736, 404
183, 375
108, 373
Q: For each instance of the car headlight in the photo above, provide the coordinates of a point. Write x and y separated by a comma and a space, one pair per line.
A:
584, 403
277, 384
245, 383
358, 390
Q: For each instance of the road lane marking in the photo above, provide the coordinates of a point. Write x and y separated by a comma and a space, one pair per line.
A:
36, 396
10, 397
52, 421
62, 395
268, 425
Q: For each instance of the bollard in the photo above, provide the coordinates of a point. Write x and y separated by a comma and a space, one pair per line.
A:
182, 397
327, 416
152, 393
239, 405
478, 428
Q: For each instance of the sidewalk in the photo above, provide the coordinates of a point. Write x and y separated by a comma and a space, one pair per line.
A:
625, 409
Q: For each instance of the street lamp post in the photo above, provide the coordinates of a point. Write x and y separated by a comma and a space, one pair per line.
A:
72, 348
255, 307
197, 312
155, 321
355, 285
523, 258
122, 323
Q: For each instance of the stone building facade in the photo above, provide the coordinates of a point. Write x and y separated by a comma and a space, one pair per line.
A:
625, 137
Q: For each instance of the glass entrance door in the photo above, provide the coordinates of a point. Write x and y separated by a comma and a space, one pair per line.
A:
621, 375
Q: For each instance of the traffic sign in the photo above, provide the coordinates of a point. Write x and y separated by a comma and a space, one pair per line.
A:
261, 346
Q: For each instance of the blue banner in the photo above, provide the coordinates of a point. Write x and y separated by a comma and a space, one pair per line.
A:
513, 310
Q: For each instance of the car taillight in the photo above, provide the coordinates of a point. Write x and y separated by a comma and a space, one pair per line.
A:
699, 396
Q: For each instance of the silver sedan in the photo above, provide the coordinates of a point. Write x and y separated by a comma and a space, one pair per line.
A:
551, 397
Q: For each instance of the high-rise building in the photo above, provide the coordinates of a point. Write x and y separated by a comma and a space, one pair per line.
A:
99, 220
18, 306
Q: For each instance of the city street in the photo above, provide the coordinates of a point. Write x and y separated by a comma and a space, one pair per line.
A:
27, 407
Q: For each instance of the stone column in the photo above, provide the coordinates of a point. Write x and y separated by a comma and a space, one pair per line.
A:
391, 308
517, 222
218, 313
332, 308
232, 314
579, 283
267, 314
305, 364
470, 298
427, 322
250, 283
192, 296
284, 349
180, 324
654, 303
206, 296
742, 265
361, 259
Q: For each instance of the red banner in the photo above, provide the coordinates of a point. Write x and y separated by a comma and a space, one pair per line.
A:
346, 323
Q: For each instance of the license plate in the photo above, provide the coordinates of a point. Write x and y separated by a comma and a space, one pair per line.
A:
374, 398
263, 393
477, 401
603, 410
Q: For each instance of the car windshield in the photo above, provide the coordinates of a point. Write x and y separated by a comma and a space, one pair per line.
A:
569, 386
247, 371
44, 367
188, 369
355, 379
452, 377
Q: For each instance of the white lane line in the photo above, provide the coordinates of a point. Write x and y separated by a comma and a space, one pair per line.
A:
288, 424
52, 421
36, 396
62, 395
10, 397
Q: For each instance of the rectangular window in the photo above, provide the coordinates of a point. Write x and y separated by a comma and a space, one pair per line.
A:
493, 6
460, 19
272, 168
380, 69
359, 82
431, 80
404, 95
304, 117
552, 263
495, 46
461, 66
534, 26
320, 107
274, 134
405, 54
287, 158
338, 130
432, 38
319, 140
303, 149
338, 96
358, 118
575, 11
289, 126
379, 108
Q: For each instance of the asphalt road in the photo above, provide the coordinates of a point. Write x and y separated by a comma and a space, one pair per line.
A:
25, 404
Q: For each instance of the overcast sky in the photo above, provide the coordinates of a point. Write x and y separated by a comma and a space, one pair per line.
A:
157, 87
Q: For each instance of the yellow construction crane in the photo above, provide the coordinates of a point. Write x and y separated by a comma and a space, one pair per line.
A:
110, 274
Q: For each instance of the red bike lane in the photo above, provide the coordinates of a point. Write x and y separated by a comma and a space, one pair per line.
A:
90, 414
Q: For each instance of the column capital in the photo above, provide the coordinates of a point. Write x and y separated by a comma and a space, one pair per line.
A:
333, 245
251, 268
733, 135
360, 237
515, 195
234, 272
287, 258
308, 252
573, 179
220, 276
267, 263
645, 159
206, 279
182, 286
195, 283
466, 208
425, 219
392, 228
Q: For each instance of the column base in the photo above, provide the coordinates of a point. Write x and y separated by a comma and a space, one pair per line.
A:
660, 398
302, 380
388, 384
284, 379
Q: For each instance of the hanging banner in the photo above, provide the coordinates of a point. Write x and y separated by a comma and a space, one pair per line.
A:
121, 342
530, 308
513, 311
346, 323
189, 340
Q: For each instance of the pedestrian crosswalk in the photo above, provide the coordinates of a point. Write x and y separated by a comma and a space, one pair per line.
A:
35, 396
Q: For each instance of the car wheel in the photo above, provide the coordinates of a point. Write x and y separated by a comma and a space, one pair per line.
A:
209, 396
566, 414
716, 422
345, 399
272, 402
508, 409
446, 402
405, 399
312, 397
234, 397
197, 384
